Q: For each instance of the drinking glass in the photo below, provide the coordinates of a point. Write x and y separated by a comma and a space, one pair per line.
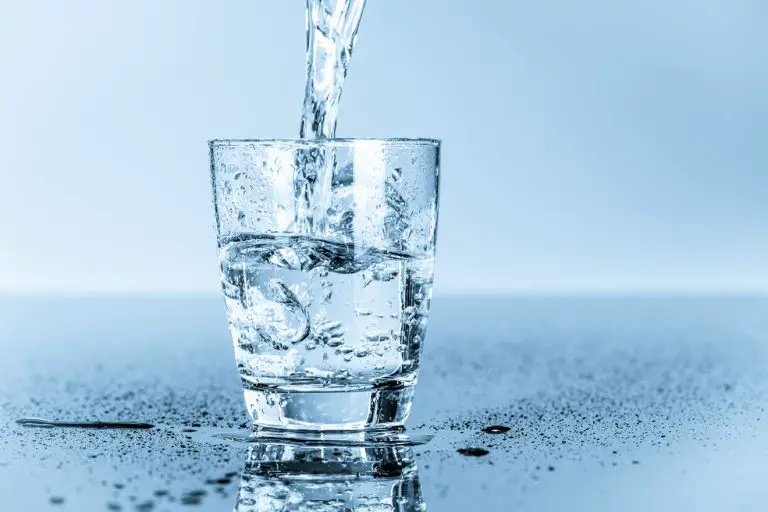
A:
326, 255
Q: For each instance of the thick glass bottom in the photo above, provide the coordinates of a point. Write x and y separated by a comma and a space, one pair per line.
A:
328, 410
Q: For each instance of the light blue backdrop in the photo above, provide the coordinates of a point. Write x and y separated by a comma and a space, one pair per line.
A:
588, 146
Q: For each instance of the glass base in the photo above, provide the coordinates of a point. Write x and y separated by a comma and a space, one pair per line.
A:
350, 410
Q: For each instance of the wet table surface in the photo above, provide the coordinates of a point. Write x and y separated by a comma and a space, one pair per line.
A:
612, 403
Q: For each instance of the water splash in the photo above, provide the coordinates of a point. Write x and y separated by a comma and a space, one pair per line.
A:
331, 33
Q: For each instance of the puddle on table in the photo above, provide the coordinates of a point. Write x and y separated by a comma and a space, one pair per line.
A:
355, 439
43, 423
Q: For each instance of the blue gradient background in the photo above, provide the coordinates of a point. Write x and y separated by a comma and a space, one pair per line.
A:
589, 146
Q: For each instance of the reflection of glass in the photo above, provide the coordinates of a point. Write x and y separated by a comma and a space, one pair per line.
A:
326, 251
329, 478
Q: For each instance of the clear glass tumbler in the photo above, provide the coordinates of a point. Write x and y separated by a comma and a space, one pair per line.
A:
326, 254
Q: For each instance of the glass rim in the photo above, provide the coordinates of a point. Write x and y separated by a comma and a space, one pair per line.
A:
346, 141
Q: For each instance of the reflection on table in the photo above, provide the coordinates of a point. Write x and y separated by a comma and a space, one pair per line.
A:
294, 477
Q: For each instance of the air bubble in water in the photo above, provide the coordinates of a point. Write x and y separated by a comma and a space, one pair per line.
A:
327, 293
377, 335
330, 332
